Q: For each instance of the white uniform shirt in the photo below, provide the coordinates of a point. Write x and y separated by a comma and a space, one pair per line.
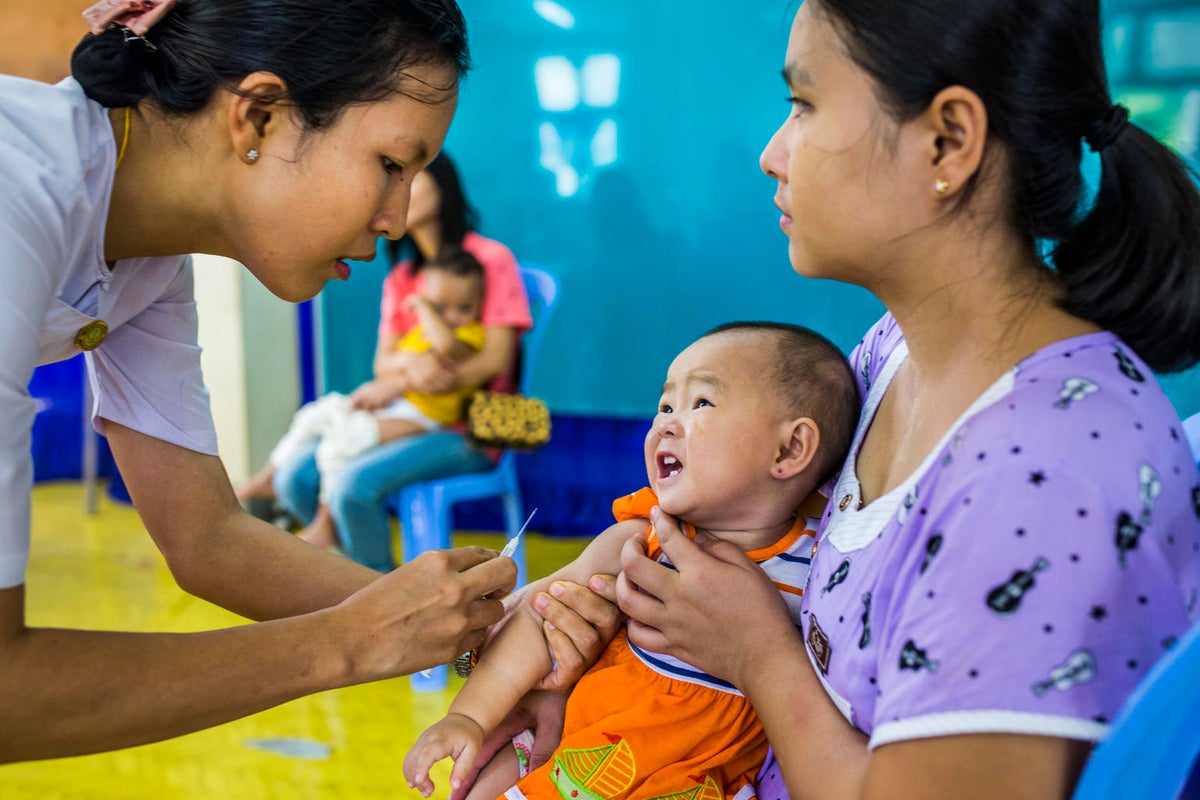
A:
57, 159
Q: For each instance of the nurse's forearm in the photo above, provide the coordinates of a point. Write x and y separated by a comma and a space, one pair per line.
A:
214, 549
73, 692
254, 569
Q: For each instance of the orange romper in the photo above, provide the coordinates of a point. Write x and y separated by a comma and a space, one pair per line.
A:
648, 726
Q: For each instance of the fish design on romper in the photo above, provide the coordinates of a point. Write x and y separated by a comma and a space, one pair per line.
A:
1074, 390
1127, 367
1080, 667
865, 371
914, 658
1007, 597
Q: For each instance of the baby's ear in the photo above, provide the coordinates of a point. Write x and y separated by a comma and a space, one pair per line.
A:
800, 439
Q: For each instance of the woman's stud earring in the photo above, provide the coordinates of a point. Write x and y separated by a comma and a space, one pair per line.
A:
941, 185
252, 155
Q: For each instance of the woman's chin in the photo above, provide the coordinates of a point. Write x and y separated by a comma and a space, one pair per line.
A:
294, 294
802, 267
797, 258
805, 265
292, 291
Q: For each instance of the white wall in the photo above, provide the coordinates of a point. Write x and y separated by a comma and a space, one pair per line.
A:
250, 360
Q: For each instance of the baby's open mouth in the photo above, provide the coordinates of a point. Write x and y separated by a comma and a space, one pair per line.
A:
669, 466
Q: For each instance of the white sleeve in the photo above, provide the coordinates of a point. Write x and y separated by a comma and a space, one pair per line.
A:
31, 240
146, 375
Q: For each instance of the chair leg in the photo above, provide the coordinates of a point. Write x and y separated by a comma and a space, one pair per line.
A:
425, 525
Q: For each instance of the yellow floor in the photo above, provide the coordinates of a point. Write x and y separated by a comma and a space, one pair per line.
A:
103, 572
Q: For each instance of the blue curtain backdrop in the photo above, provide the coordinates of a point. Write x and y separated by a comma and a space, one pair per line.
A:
616, 143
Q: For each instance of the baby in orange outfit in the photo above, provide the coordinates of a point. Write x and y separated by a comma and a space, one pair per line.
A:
753, 417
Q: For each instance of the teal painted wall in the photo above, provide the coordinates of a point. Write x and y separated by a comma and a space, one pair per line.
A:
617, 144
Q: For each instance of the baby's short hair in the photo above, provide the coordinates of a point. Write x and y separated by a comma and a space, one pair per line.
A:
456, 261
815, 380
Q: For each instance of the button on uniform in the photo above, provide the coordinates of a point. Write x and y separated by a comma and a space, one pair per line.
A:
91, 335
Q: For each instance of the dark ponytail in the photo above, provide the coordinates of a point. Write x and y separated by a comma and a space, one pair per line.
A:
330, 54
1131, 263
111, 68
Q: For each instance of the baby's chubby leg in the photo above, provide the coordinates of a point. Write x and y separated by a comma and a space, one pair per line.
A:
393, 429
312, 421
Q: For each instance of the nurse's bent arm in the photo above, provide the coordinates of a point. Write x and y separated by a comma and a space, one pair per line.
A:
214, 549
68, 692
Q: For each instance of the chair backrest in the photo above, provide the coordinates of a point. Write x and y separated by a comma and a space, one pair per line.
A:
542, 290
1152, 747
1191, 427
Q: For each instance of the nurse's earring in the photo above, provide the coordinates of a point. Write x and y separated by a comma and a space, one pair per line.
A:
251, 155
941, 185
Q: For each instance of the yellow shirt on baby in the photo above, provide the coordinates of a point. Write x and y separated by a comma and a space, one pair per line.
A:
442, 407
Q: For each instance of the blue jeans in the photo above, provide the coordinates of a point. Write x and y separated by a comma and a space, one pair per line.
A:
358, 502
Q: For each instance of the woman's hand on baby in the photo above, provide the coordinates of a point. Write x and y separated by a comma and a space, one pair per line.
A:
714, 610
376, 394
423, 614
454, 736
429, 373
579, 622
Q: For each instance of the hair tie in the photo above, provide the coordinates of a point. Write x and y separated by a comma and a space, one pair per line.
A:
137, 16
1108, 129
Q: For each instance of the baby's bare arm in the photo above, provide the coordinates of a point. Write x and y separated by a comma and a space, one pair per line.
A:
440, 335
513, 663
517, 658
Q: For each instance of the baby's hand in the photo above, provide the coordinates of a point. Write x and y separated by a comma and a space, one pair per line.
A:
455, 736
416, 302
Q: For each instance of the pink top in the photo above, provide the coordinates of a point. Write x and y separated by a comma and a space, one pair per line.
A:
505, 304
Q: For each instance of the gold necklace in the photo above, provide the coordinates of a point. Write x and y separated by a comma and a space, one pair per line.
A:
124, 140
91, 335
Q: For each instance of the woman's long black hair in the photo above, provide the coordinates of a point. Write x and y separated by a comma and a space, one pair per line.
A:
1131, 263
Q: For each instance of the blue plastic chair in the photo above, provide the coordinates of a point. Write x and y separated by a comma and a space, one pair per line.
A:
1191, 428
1154, 743
425, 508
